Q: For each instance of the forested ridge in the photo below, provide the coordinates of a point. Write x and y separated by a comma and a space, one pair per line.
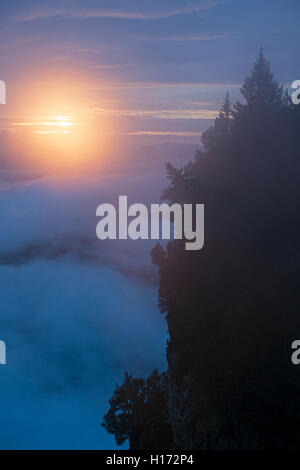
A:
232, 309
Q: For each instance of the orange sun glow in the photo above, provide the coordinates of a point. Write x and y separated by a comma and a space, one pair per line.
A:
57, 128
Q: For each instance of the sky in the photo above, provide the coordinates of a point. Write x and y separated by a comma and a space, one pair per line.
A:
123, 85
136, 71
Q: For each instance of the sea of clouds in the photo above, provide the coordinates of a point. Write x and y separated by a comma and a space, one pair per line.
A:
75, 312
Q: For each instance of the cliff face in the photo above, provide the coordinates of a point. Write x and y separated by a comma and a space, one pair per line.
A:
236, 410
179, 409
195, 424
232, 308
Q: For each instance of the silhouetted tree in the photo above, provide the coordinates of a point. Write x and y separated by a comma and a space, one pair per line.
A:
232, 309
219, 133
138, 413
260, 88
123, 419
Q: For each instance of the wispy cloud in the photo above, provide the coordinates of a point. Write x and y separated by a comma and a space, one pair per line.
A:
185, 38
8, 129
163, 133
108, 67
89, 12
159, 113
124, 85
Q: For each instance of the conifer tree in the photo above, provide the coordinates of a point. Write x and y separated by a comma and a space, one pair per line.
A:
261, 87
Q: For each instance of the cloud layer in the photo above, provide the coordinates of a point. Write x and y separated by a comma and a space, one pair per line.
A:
75, 313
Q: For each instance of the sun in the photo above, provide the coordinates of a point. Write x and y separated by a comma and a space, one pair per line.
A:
53, 125
57, 126
60, 141
65, 121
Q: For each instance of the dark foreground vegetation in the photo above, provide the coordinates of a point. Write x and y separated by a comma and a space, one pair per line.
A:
233, 308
